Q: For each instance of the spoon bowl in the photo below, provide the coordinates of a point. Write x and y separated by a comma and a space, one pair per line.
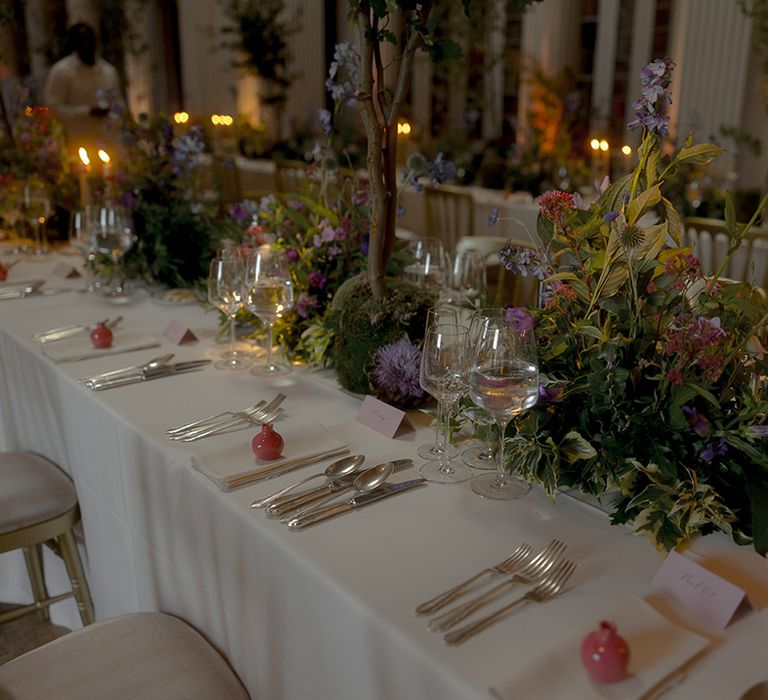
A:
371, 478
335, 470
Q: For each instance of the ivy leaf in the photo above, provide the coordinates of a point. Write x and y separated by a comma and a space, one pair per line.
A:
444, 49
575, 447
388, 35
379, 7
758, 499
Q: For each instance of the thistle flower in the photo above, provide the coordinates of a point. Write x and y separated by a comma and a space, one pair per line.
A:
396, 371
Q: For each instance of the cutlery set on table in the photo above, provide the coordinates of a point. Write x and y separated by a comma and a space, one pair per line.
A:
546, 573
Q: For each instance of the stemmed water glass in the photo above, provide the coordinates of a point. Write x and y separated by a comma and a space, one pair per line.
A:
442, 375
433, 450
269, 294
81, 237
226, 291
504, 380
467, 277
36, 209
430, 265
112, 233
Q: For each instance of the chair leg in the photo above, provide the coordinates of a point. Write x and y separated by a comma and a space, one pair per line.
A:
76, 576
33, 555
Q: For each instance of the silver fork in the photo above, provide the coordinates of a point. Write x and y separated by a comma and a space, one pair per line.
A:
235, 418
533, 571
262, 415
503, 567
212, 420
548, 588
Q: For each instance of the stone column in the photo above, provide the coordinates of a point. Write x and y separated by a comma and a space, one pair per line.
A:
604, 63
493, 84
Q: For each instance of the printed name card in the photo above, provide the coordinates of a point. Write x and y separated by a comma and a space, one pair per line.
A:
178, 333
383, 418
66, 271
712, 597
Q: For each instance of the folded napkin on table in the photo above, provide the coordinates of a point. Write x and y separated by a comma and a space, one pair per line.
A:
79, 347
230, 463
552, 665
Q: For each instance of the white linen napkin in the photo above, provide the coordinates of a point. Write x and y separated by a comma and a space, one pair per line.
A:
553, 668
230, 463
79, 347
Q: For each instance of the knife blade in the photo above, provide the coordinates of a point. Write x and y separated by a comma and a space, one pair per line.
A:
168, 371
21, 289
68, 331
365, 499
320, 494
106, 353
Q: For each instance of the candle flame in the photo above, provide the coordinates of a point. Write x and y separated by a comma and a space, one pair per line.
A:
104, 156
83, 156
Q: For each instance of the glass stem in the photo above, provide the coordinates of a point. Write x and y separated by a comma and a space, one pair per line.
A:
232, 337
501, 476
269, 344
439, 423
443, 428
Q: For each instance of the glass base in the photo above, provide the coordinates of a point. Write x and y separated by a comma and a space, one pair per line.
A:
274, 369
500, 488
236, 355
445, 472
233, 364
479, 457
432, 451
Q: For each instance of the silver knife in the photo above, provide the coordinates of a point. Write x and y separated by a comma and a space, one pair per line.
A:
319, 494
363, 499
18, 291
68, 331
168, 371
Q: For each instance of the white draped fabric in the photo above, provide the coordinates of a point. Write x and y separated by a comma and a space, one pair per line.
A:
326, 612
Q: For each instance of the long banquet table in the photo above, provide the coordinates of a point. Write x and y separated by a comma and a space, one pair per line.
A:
326, 612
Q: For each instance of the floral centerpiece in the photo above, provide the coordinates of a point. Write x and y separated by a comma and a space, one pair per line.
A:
653, 375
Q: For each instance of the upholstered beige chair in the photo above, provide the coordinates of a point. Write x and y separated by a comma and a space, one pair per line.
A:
450, 214
141, 656
38, 505
709, 241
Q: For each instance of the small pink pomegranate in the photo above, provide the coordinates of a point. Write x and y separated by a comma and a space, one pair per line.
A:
604, 654
267, 444
101, 336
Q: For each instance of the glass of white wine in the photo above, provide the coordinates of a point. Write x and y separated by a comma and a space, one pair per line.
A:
36, 210
226, 291
504, 380
269, 294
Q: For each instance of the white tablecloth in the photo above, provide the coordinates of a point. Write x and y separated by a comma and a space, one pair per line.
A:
326, 612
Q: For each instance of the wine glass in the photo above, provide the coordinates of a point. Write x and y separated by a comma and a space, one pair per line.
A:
269, 294
467, 277
433, 450
429, 268
481, 456
112, 232
504, 380
442, 375
226, 291
81, 237
36, 209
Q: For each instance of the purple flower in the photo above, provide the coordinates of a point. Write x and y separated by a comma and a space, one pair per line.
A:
519, 318
715, 448
493, 217
610, 216
365, 241
552, 394
304, 304
396, 370
526, 261
317, 280
325, 120
239, 212
697, 422
441, 169
292, 254
343, 73
757, 431
400, 211
650, 109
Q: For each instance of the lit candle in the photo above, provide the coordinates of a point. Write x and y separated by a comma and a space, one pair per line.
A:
106, 169
85, 195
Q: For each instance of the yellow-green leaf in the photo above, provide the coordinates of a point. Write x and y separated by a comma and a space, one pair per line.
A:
701, 153
614, 281
640, 204
674, 225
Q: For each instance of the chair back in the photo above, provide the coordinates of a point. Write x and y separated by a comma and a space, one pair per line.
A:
450, 214
709, 240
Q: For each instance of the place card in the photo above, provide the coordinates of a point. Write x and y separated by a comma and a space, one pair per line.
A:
707, 594
178, 333
383, 418
65, 271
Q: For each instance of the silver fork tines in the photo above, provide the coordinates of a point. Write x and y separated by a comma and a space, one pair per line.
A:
512, 562
532, 571
549, 587
210, 421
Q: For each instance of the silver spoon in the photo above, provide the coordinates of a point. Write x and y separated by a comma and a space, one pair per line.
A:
365, 481
155, 363
340, 467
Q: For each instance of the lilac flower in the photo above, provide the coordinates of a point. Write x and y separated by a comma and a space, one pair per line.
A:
757, 431
519, 318
292, 254
343, 74
493, 217
334, 250
317, 280
697, 422
325, 117
396, 370
526, 261
650, 109
304, 304
715, 448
